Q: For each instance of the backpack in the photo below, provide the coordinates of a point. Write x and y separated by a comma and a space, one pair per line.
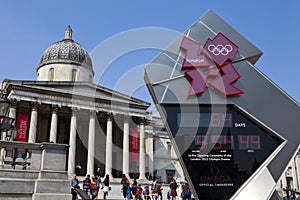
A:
93, 184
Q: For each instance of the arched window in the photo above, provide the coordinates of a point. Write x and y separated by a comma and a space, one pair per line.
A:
74, 72
51, 74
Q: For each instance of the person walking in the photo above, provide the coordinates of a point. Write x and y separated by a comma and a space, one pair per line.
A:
173, 188
98, 180
186, 193
138, 193
106, 187
125, 185
86, 184
74, 185
94, 189
159, 190
134, 186
128, 193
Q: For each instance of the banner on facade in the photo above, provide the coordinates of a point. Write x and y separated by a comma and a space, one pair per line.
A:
134, 145
22, 127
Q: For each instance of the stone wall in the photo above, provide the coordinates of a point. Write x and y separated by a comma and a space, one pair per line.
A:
33, 171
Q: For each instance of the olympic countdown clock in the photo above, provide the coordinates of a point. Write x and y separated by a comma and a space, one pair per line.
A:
232, 128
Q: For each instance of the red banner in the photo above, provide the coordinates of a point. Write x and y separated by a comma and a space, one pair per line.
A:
134, 144
22, 127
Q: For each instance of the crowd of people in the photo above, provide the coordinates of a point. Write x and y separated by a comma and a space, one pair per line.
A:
130, 190
137, 192
91, 186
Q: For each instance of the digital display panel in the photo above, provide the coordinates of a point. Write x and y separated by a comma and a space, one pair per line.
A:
221, 147
204, 120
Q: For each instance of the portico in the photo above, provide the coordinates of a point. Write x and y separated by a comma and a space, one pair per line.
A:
89, 129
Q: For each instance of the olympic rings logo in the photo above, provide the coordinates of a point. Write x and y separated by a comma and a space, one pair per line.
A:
220, 49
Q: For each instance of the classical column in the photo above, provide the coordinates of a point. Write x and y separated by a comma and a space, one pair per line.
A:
53, 129
150, 152
142, 150
126, 146
91, 144
33, 123
109, 145
13, 114
72, 142
13, 110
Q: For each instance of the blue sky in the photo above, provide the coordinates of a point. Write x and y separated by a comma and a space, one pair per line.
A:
29, 27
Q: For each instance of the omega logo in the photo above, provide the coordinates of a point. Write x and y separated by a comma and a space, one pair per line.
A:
215, 177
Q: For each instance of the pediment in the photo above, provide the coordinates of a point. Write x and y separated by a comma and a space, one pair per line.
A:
74, 90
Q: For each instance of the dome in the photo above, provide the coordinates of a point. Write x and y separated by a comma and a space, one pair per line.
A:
66, 51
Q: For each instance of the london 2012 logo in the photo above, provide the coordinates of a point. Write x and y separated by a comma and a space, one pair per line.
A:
200, 62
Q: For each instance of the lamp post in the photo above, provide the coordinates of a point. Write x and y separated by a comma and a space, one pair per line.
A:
5, 121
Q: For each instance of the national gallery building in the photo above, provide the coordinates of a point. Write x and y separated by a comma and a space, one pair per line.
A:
107, 132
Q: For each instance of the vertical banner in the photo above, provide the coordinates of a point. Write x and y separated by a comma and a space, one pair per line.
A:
134, 144
22, 127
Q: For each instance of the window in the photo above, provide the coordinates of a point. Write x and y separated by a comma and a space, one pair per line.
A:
74, 72
51, 74
169, 148
170, 175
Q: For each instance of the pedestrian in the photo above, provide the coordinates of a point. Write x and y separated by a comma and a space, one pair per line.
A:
78, 169
154, 185
138, 193
86, 184
74, 185
134, 186
159, 190
94, 189
153, 194
106, 187
128, 193
173, 188
146, 193
186, 193
125, 185
98, 179
169, 195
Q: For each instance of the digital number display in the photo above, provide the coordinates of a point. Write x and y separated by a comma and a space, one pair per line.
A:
227, 142
204, 120
219, 142
249, 142
220, 147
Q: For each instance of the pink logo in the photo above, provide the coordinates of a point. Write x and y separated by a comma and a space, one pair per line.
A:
193, 57
220, 49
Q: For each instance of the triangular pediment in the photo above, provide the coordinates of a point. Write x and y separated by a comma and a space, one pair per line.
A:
75, 90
